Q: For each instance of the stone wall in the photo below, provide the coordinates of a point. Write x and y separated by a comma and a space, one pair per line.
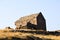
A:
34, 21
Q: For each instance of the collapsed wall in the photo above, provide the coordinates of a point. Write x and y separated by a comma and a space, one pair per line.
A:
34, 21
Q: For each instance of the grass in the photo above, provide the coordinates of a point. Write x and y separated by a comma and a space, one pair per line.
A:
6, 35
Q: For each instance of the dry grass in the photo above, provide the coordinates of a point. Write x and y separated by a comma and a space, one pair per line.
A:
6, 34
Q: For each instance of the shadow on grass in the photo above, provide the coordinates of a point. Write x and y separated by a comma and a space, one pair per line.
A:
39, 32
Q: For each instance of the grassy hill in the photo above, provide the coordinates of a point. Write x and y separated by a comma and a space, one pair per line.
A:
15, 35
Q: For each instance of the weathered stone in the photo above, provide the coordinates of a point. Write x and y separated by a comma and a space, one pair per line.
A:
8, 28
34, 21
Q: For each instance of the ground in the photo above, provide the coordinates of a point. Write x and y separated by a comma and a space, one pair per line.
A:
8, 35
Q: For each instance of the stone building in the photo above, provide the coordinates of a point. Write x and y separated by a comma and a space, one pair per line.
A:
34, 21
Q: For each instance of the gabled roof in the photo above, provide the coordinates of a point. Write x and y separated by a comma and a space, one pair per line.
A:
41, 16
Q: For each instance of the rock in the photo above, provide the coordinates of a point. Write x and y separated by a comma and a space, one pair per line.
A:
8, 27
34, 21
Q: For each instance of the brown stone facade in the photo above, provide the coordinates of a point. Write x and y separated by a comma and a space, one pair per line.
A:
34, 21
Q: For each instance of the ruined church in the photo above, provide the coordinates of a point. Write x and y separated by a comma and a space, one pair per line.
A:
34, 21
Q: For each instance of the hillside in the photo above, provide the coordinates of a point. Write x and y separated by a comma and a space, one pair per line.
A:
15, 35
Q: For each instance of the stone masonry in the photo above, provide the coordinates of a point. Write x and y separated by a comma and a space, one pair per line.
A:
34, 21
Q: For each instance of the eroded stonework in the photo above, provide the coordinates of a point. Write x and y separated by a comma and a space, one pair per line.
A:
34, 21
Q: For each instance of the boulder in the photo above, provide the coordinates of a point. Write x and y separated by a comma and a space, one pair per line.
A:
8, 27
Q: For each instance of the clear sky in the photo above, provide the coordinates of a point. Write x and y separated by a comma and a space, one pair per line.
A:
12, 10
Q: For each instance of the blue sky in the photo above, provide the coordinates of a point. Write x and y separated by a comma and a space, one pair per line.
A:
12, 10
